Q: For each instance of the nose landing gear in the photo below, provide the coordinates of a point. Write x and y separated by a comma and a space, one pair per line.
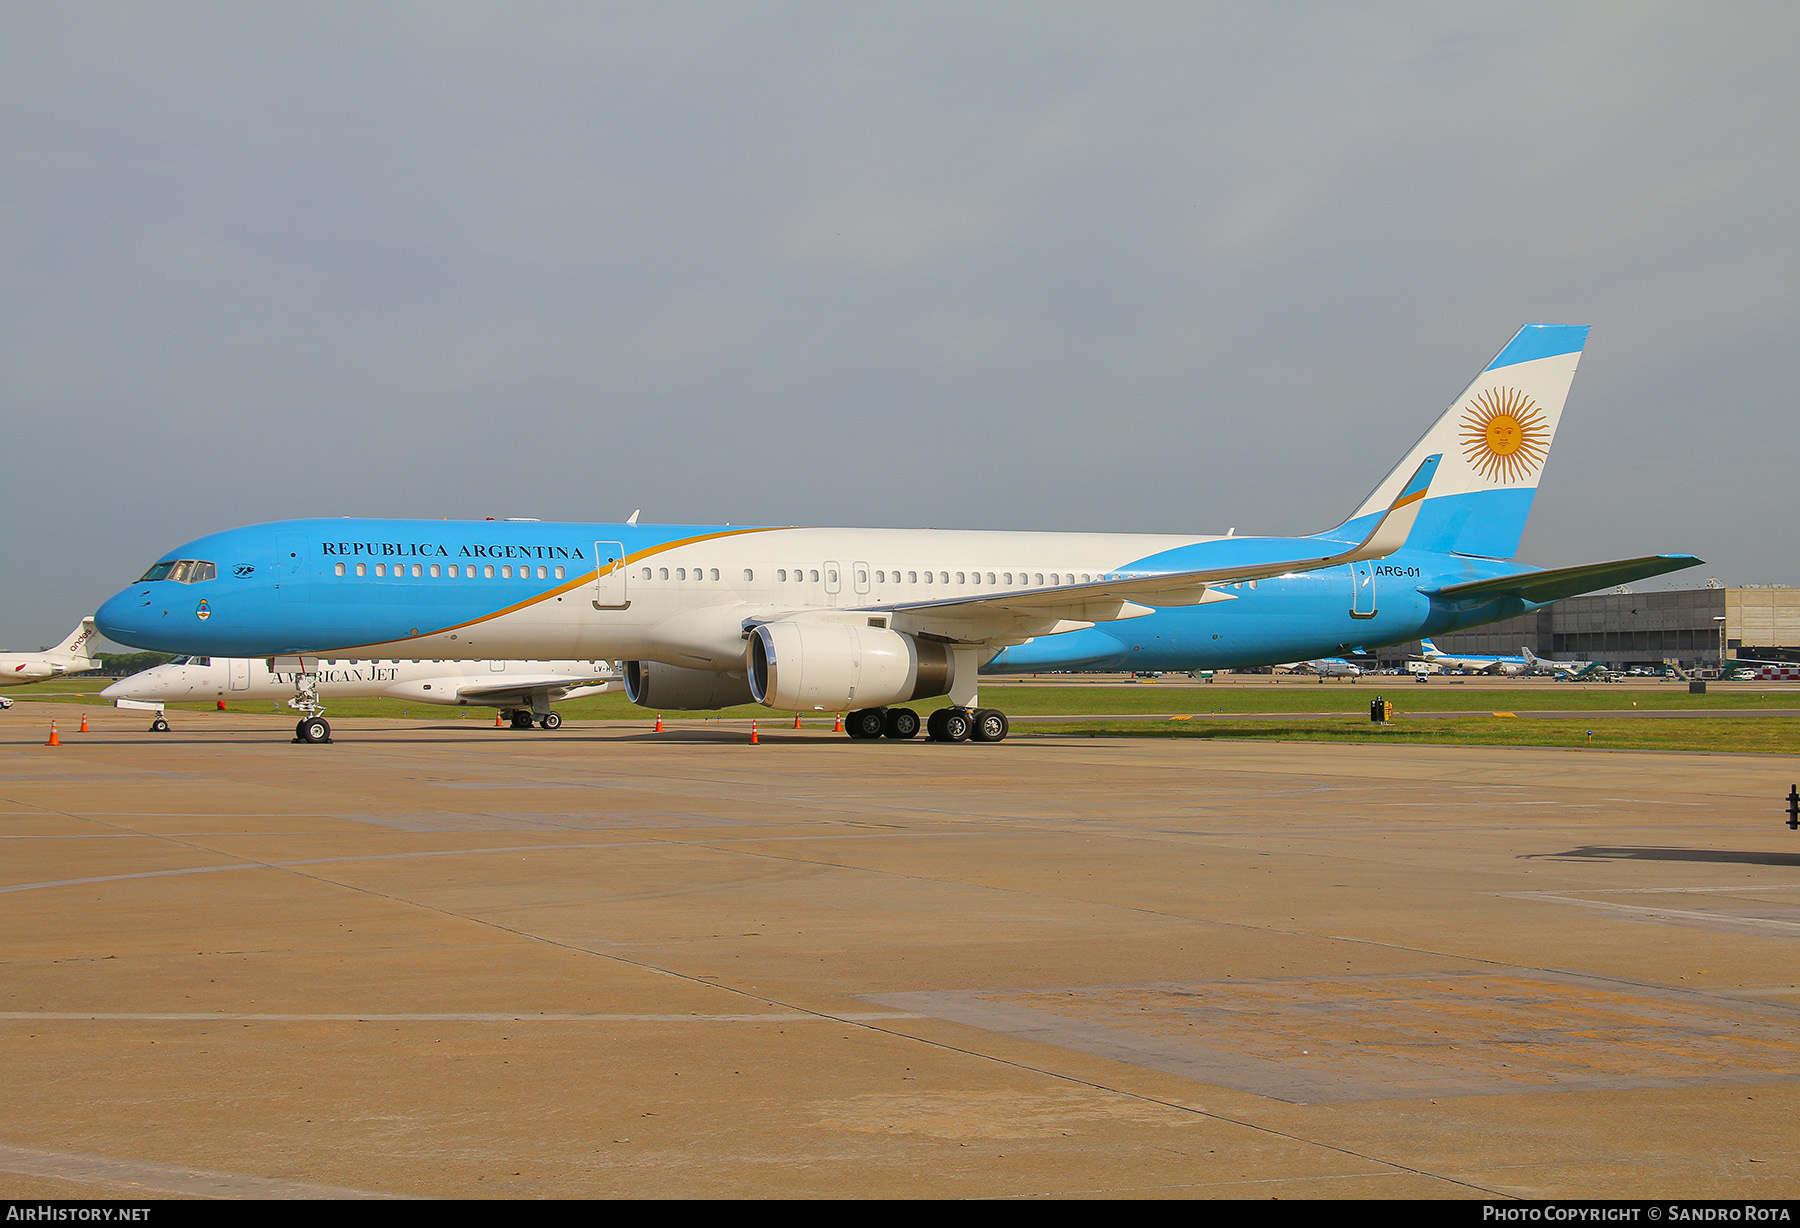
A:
313, 727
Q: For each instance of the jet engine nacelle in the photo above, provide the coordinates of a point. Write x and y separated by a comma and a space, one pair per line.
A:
838, 666
651, 684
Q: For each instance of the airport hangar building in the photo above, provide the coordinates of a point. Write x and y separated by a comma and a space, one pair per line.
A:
1695, 627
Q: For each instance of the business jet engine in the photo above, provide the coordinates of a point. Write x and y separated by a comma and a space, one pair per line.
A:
799, 665
670, 688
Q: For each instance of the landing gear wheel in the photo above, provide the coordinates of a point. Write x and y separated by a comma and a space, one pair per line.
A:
159, 725
900, 723
867, 723
950, 725
521, 720
313, 729
990, 725
550, 720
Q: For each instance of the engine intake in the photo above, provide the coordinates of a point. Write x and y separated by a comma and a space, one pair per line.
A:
651, 684
799, 666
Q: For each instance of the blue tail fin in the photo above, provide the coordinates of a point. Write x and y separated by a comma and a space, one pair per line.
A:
1494, 438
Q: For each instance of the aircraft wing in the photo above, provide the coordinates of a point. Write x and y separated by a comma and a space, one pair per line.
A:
520, 692
1545, 586
1041, 611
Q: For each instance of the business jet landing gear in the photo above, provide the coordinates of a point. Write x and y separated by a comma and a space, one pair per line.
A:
519, 718
159, 725
313, 729
550, 720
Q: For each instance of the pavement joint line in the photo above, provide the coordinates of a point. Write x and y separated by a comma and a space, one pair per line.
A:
515, 848
1687, 914
1143, 1097
439, 1017
172, 1179
1686, 890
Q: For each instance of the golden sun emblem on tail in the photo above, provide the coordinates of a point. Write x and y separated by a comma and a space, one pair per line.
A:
1504, 435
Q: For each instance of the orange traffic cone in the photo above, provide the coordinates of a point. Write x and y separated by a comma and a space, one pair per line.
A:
839, 727
659, 722
83, 728
496, 720
54, 740
753, 738
796, 720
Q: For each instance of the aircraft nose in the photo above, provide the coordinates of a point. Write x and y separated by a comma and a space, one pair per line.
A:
124, 616
115, 691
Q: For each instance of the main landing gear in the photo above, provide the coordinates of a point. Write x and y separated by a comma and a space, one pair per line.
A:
945, 725
521, 718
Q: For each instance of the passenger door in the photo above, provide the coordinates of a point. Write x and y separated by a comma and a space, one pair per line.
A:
609, 576
1362, 590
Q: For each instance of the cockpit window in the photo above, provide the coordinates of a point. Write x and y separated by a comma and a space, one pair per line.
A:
181, 571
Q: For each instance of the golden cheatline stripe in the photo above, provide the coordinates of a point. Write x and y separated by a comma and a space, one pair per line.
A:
569, 586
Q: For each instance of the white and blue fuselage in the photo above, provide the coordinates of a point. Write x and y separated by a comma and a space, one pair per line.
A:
824, 618
476, 590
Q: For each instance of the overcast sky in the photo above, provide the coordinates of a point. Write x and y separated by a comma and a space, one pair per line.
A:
1169, 268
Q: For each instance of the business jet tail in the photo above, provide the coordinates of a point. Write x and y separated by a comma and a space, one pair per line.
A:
78, 644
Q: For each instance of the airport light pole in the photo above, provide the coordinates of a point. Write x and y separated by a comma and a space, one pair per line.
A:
1720, 619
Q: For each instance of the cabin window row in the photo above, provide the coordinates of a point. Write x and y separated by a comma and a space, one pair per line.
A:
684, 573
812, 575
453, 571
885, 576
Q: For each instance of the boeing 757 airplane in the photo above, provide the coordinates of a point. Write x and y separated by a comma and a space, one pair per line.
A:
522, 690
868, 620
72, 656
1510, 667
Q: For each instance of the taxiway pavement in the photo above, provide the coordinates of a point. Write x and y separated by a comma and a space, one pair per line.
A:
439, 959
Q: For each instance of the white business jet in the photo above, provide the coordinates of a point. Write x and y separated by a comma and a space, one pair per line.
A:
1333, 667
522, 690
1569, 670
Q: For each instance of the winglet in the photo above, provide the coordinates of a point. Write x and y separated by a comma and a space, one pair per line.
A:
1395, 526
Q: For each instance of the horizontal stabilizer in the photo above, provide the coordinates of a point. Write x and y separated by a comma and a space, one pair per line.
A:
1542, 587
1119, 597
